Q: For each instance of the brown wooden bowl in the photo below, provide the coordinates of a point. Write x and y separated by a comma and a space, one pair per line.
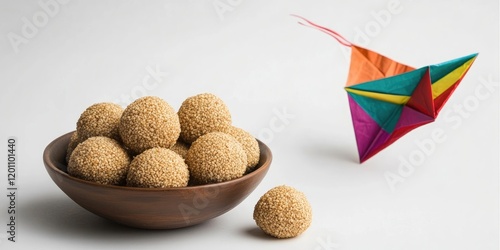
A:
152, 208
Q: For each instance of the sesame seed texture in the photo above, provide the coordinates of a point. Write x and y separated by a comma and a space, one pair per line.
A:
283, 212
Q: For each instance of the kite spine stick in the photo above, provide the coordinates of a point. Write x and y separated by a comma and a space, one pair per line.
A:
328, 31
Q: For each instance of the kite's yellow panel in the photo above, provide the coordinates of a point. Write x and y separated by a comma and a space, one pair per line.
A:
448, 80
395, 99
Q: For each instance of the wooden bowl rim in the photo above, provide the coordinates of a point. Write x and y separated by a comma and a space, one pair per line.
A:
263, 165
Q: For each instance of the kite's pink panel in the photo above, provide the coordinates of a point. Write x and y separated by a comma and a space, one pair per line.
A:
409, 120
410, 117
365, 128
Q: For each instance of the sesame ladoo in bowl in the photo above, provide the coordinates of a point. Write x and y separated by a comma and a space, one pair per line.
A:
99, 159
149, 122
249, 143
202, 114
158, 168
152, 208
216, 157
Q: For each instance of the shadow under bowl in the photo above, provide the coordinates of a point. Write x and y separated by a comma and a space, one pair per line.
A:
152, 208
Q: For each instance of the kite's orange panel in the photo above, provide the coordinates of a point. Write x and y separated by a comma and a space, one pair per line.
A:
367, 65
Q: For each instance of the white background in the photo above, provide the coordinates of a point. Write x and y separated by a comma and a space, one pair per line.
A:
261, 62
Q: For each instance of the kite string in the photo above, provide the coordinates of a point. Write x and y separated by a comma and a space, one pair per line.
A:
328, 31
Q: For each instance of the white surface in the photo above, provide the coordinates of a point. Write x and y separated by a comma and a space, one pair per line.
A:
258, 60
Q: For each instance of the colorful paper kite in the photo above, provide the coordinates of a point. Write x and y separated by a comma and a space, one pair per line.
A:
389, 99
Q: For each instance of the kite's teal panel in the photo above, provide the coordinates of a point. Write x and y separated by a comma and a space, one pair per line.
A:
384, 113
440, 70
402, 84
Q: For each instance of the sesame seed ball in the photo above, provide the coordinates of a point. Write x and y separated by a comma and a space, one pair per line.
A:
283, 212
202, 114
99, 159
249, 143
100, 119
73, 142
149, 122
216, 157
158, 168
180, 148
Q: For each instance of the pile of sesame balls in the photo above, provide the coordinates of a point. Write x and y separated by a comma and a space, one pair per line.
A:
149, 145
